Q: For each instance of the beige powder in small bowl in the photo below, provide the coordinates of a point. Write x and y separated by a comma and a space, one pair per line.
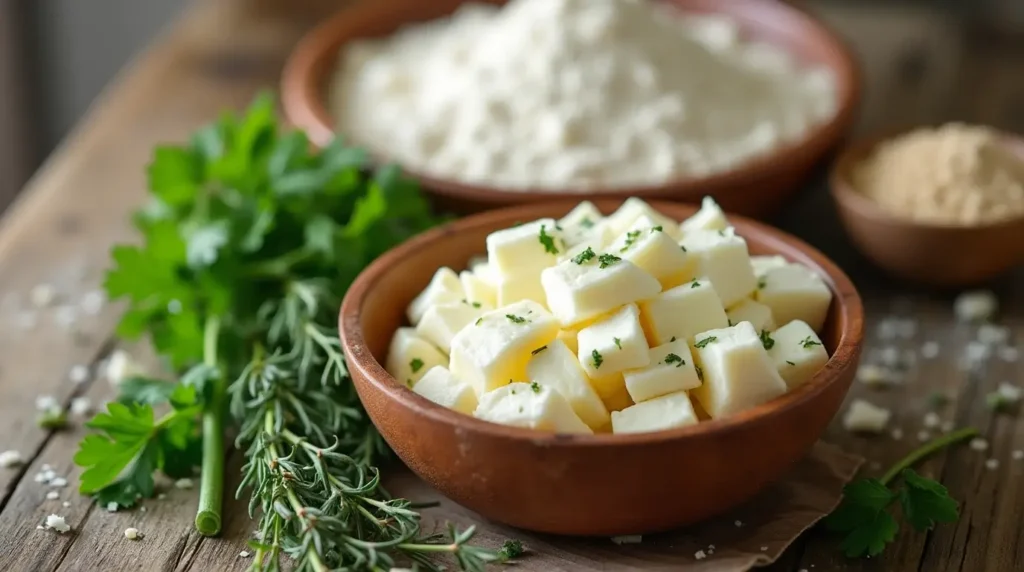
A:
954, 175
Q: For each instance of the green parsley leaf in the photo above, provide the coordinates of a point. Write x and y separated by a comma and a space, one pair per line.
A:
416, 364
511, 549
547, 241
657, 229
766, 340
631, 237
515, 319
808, 343
535, 386
584, 256
926, 502
695, 284
682, 247
598, 360
673, 358
607, 260
704, 342
618, 342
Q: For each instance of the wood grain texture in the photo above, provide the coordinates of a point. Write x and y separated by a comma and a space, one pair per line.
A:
922, 66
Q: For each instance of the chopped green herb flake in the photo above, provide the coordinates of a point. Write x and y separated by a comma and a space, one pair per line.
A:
790, 363
761, 283
520, 407
766, 340
630, 239
999, 402
618, 343
511, 549
476, 304
673, 358
478, 321
584, 256
673, 339
682, 247
416, 364
729, 321
808, 343
586, 222
558, 227
535, 386
695, 283
607, 260
700, 372
515, 319
598, 360
657, 229
547, 241
538, 350
705, 341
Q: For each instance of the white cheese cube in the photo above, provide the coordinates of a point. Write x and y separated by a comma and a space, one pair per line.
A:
683, 312
580, 223
532, 406
478, 290
737, 372
863, 416
632, 209
568, 337
516, 288
554, 365
441, 387
580, 289
709, 217
722, 257
665, 412
612, 391
647, 246
762, 264
443, 287
483, 270
410, 357
759, 315
495, 349
670, 370
613, 344
795, 292
442, 321
797, 352
525, 249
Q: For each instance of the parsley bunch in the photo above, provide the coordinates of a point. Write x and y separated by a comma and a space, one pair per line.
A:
250, 241
864, 513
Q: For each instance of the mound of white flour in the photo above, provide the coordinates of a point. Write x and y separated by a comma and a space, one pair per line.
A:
556, 94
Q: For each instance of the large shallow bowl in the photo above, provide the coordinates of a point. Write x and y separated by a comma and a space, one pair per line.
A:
756, 187
586, 484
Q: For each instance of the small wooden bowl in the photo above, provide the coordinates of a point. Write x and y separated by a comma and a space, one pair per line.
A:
930, 254
586, 484
756, 188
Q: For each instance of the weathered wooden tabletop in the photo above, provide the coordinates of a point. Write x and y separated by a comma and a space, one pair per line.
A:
921, 67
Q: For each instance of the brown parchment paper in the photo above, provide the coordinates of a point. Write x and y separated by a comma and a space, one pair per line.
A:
770, 523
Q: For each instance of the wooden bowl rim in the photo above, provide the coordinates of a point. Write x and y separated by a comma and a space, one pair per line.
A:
845, 356
304, 107
848, 198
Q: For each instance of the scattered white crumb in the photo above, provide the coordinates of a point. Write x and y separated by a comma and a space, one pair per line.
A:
57, 522
876, 375
111, 506
46, 467
1010, 392
45, 476
1017, 455
183, 483
119, 366
931, 420
80, 405
803, 570
700, 555
65, 316
738, 523
92, 302
890, 356
52, 495
1009, 354
865, 417
65, 504
764, 549
897, 434
244, 554
132, 534
979, 444
42, 295
993, 335
975, 353
10, 459
58, 482
79, 374
930, 350
161, 496
627, 539
923, 436
47, 403
976, 306
40, 527
946, 426
892, 327
992, 464
142, 509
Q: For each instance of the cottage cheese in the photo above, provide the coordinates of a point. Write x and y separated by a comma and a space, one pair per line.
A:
573, 94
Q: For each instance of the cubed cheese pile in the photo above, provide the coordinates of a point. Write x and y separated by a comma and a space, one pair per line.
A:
627, 323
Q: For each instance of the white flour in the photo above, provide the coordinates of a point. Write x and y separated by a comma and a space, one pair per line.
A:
574, 94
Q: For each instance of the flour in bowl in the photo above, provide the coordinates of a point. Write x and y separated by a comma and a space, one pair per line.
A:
574, 94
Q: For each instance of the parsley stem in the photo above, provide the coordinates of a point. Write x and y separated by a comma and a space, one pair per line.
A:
927, 449
211, 490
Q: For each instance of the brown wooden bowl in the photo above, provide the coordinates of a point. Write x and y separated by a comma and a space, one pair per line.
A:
930, 254
586, 484
756, 188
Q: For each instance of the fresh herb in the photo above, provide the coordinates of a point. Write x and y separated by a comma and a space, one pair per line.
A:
515, 319
254, 235
607, 260
761, 283
474, 304
511, 549
598, 360
547, 241
52, 419
790, 363
937, 399
673, 358
673, 339
558, 227
416, 364
682, 247
808, 343
535, 386
618, 342
478, 321
999, 402
584, 256
631, 237
863, 515
766, 340
705, 342
538, 350
585, 222
721, 232
695, 283
729, 322
655, 229
700, 372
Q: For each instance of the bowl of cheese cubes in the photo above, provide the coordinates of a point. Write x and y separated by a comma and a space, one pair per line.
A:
602, 368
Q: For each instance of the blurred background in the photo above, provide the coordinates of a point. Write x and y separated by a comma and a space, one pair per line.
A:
56, 56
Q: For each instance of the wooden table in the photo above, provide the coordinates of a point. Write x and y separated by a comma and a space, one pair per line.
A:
921, 67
